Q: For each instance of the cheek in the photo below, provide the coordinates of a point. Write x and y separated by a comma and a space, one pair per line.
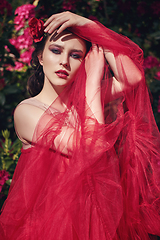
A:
48, 64
49, 58
75, 67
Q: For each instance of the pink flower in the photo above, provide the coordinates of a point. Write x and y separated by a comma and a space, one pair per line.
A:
157, 75
18, 24
158, 109
4, 176
5, 5
27, 55
150, 62
18, 66
12, 41
24, 12
7, 49
23, 41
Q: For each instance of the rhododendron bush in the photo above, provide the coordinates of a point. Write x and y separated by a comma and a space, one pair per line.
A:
138, 20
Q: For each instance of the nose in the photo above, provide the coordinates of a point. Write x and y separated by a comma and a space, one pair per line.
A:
64, 60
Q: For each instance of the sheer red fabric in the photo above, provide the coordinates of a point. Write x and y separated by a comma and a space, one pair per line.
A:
107, 184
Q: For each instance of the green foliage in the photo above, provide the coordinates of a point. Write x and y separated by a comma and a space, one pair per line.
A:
9, 154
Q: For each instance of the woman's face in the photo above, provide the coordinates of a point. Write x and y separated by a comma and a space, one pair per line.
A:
61, 58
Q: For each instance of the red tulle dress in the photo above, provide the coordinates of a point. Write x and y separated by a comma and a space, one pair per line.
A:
108, 185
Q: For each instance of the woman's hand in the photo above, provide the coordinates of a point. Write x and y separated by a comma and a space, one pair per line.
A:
94, 65
64, 20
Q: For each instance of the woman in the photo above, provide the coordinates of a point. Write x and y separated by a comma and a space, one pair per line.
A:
90, 158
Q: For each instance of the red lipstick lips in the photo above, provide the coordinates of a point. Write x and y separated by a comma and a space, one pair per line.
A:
62, 74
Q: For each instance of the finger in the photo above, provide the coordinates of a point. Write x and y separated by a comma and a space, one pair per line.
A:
100, 49
94, 46
64, 26
50, 19
54, 20
52, 27
62, 22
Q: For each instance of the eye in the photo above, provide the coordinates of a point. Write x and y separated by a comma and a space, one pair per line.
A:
56, 51
76, 55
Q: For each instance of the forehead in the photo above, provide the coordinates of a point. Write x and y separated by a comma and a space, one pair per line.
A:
67, 38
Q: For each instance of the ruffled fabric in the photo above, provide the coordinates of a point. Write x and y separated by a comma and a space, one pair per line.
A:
107, 185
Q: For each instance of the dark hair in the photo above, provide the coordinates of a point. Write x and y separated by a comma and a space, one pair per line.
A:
36, 80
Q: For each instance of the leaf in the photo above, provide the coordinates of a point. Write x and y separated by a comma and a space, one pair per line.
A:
8, 144
8, 182
16, 146
8, 163
2, 99
11, 89
9, 60
155, 35
6, 134
13, 49
1, 144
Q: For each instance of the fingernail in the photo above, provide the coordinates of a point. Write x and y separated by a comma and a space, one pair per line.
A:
46, 29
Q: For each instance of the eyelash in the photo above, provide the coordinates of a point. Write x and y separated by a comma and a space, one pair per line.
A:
75, 56
56, 51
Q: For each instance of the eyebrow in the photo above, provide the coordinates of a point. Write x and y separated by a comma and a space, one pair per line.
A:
75, 50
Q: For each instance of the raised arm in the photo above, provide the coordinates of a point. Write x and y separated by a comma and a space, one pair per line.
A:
94, 66
126, 68
64, 20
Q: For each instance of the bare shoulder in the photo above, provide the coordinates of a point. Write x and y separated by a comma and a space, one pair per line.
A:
26, 117
28, 111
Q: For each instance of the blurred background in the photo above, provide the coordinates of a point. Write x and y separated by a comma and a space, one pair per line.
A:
138, 20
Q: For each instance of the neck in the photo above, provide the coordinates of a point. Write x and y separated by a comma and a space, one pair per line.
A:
49, 93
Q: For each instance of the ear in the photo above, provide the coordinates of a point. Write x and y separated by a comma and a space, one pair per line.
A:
40, 58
